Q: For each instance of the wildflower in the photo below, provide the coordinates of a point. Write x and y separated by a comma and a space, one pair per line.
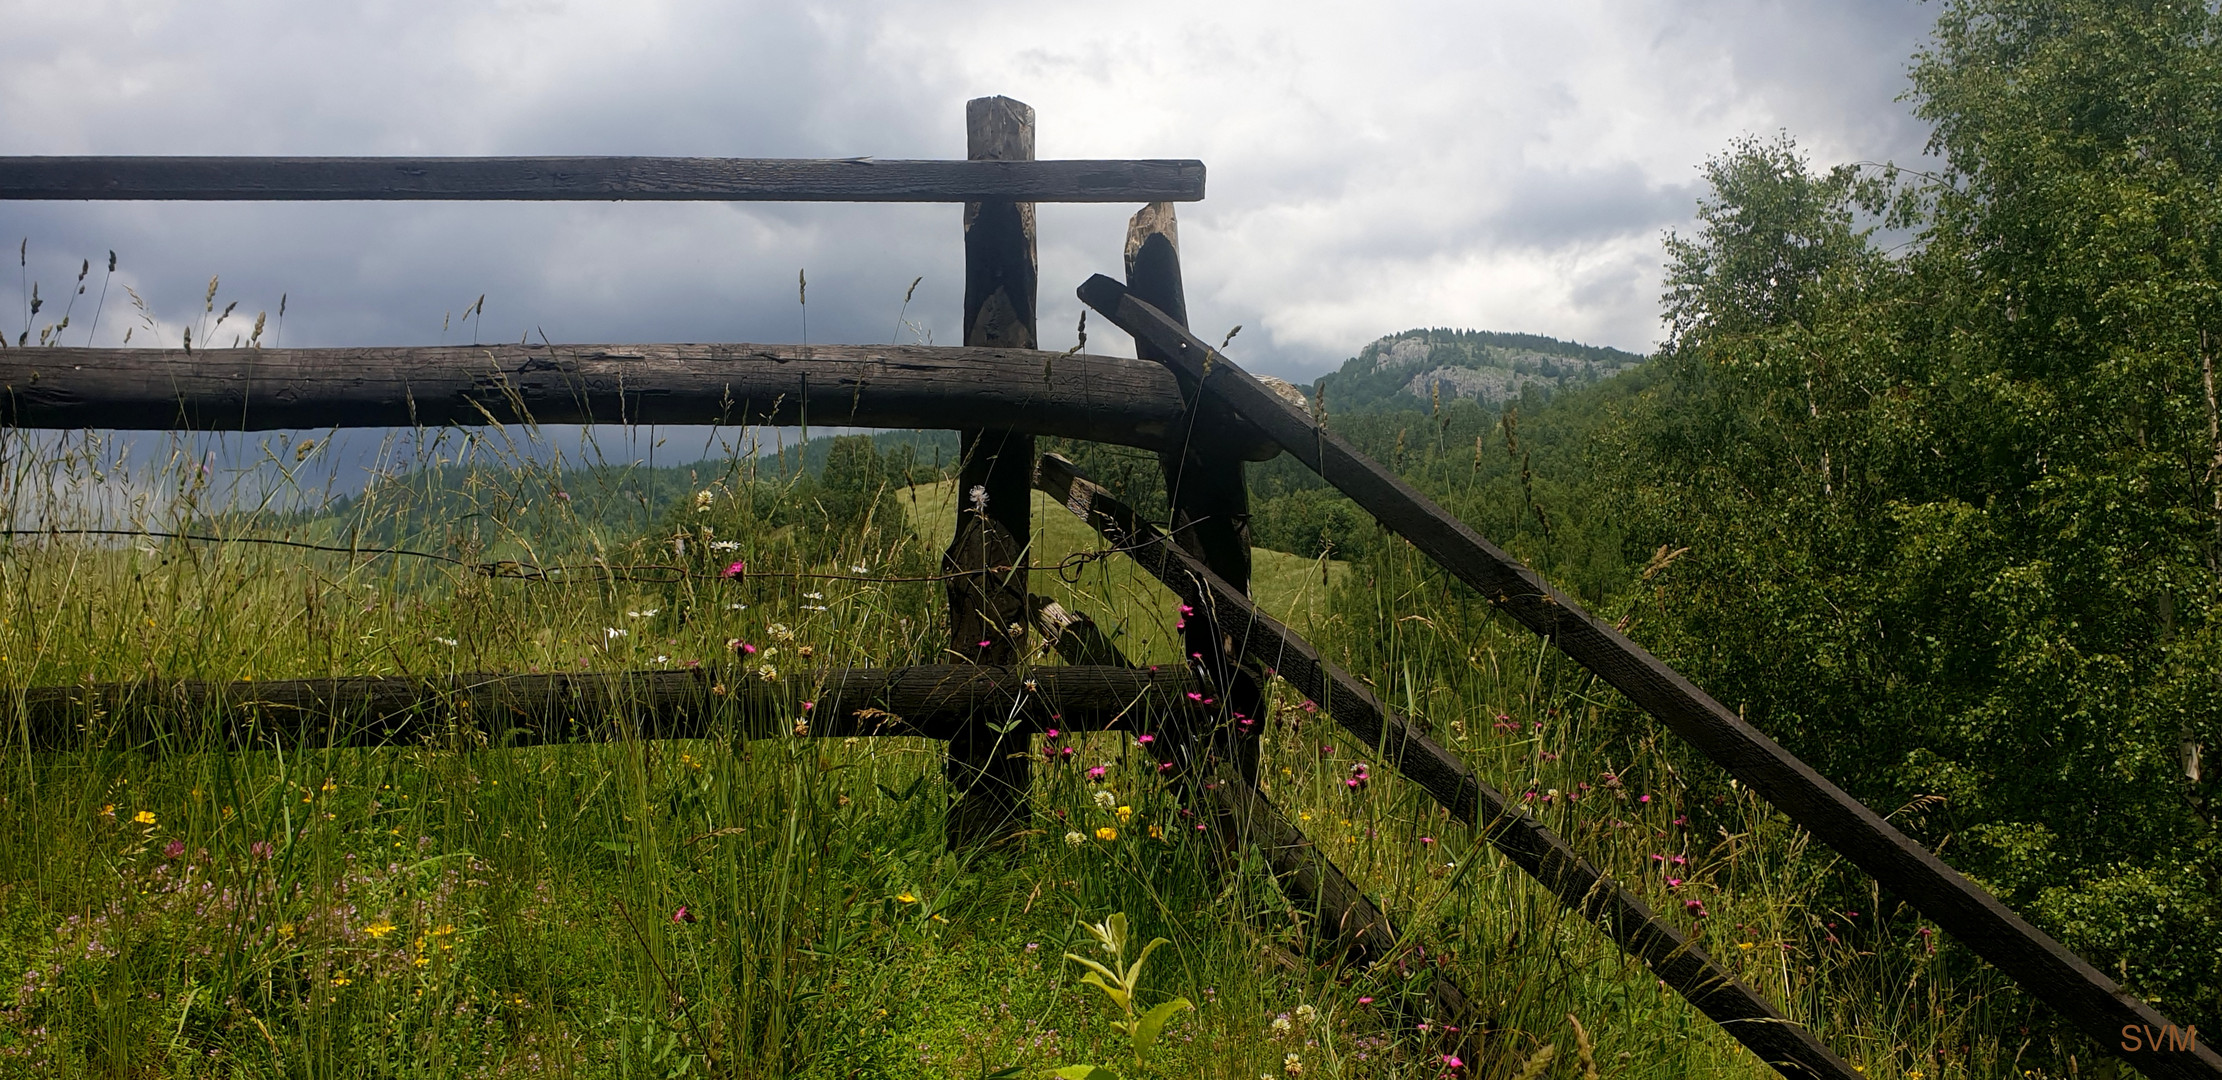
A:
725, 545
144, 817
906, 898
1096, 772
1306, 1014
1452, 1061
1104, 799
660, 659
860, 569
1124, 812
702, 500
1050, 734
768, 673
1427, 839
379, 929
1365, 1001
984, 643
1075, 839
612, 633
1157, 832
979, 498
1292, 1065
260, 849
682, 915
739, 648
1107, 833
1145, 740
447, 641
1280, 1024
173, 849
108, 811
644, 613
1674, 883
1643, 798
737, 570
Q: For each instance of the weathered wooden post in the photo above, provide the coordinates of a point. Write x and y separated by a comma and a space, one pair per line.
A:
988, 770
1209, 497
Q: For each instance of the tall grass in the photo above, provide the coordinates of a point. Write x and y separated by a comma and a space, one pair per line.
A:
786, 907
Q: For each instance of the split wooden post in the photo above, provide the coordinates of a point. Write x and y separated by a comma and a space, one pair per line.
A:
1208, 495
987, 770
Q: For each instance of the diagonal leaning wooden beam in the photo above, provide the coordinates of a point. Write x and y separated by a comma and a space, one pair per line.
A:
1740, 1010
2044, 967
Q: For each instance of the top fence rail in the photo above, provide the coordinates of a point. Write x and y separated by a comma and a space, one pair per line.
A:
539, 179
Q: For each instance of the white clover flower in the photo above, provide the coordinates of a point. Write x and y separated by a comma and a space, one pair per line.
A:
660, 659
736, 607
779, 630
1075, 839
1105, 800
1292, 1065
1306, 1014
1280, 1024
703, 499
447, 641
979, 497
860, 569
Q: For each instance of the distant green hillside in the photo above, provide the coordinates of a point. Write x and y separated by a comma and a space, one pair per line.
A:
1406, 369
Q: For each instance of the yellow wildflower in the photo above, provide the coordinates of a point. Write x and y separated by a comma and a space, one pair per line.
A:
379, 929
1107, 833
144, 817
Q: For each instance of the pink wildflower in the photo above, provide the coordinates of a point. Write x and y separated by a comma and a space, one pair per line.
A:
737, 570
682, 915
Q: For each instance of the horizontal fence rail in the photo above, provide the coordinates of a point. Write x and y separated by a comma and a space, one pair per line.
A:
714, 701
541, 179
2082, 994
1100, 398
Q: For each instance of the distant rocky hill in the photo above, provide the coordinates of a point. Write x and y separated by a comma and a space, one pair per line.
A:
1405, 369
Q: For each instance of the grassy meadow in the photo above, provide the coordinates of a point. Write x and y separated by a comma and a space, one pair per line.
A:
786, 907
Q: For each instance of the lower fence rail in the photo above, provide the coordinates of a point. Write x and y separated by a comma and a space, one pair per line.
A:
483, 710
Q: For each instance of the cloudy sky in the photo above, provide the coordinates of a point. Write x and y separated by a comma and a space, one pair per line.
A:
1490, 165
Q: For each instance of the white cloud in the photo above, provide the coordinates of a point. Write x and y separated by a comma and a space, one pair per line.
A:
1495, 165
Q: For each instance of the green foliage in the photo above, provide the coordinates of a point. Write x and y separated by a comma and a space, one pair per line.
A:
1121, 982
1953, 510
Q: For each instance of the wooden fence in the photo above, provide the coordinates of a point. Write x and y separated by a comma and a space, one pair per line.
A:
1181, 398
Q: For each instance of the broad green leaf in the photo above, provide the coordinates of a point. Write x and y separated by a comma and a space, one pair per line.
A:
1152, 1023
1086, 1072
1118, 997
1107, 973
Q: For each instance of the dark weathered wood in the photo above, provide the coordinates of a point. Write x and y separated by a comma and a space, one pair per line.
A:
2063, 980
598, 178
1579, 886
1207, 492
724, 701
1100, 398
1348, 928
988, 609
